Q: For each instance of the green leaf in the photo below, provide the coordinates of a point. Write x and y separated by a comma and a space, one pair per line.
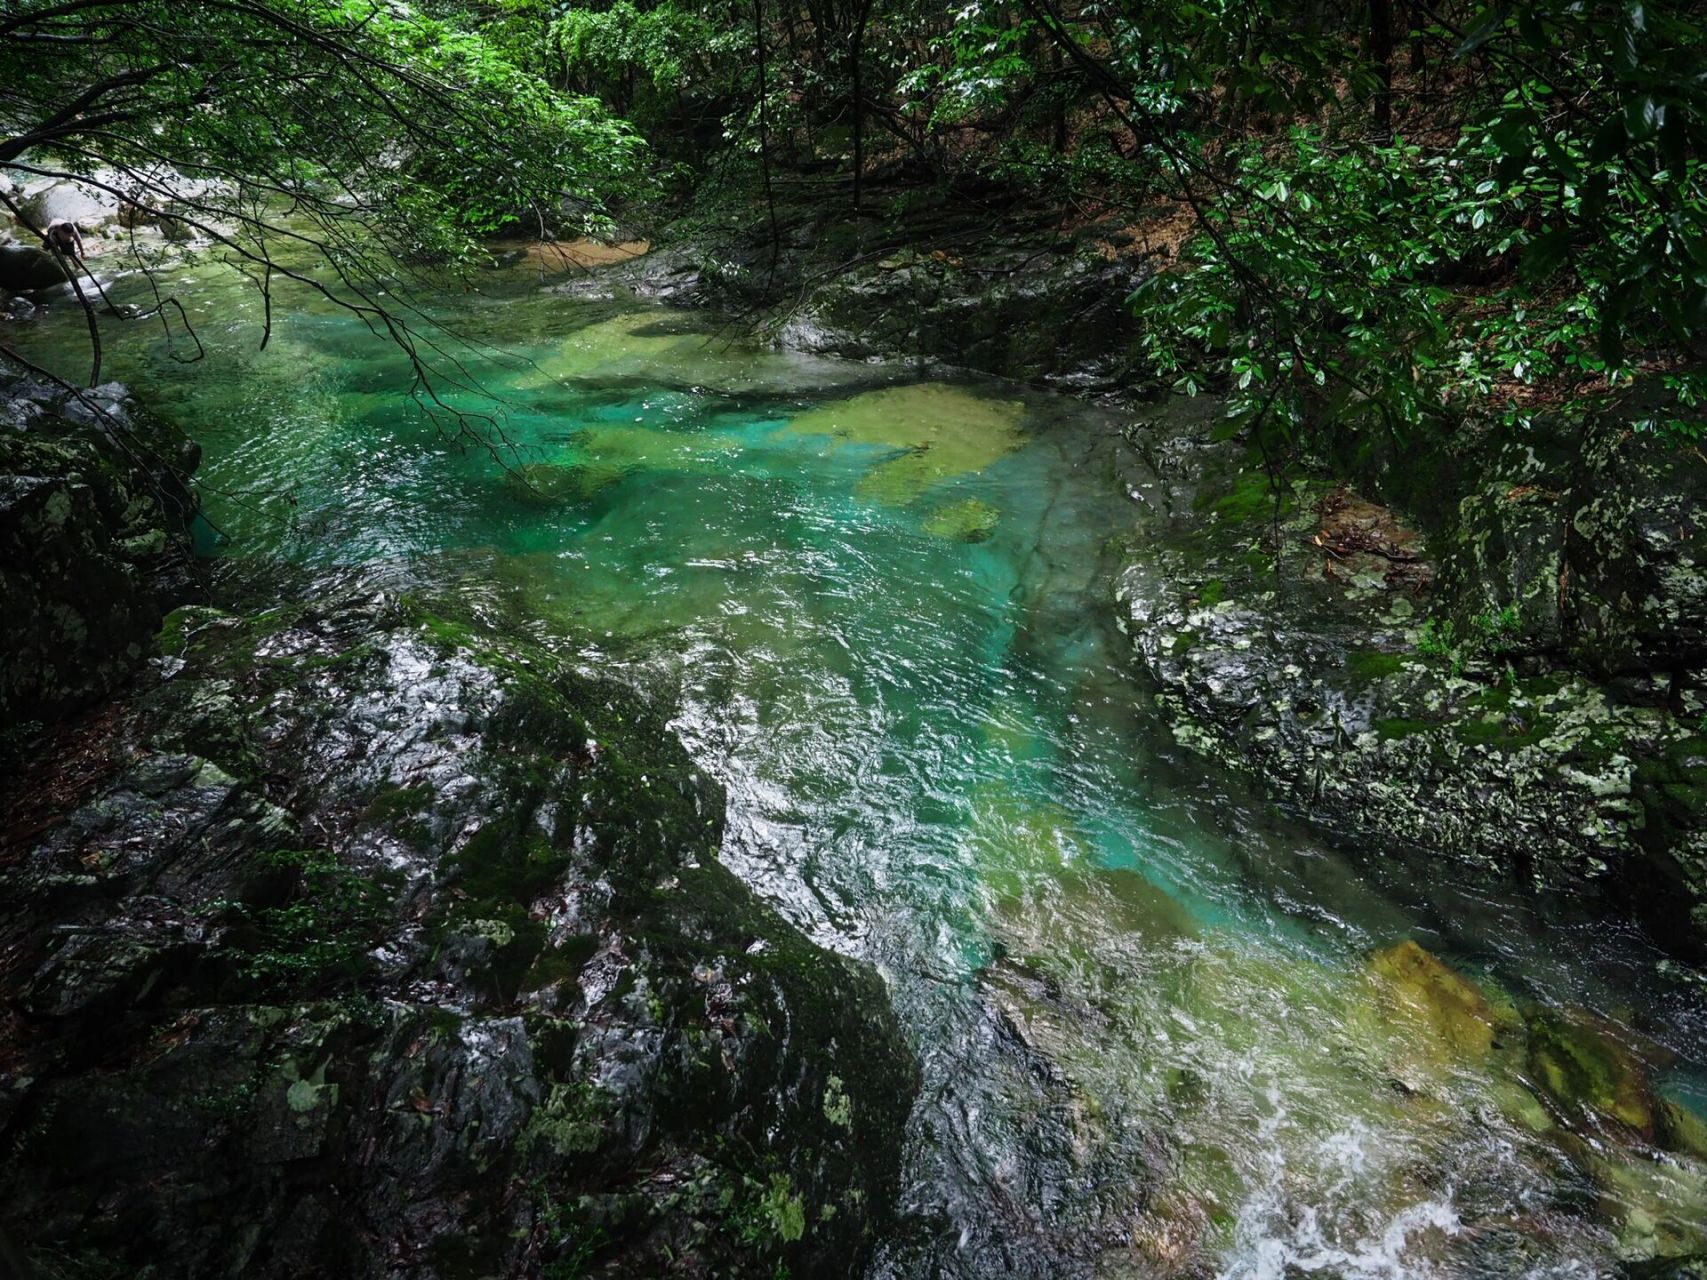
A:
1544, 255
1608, 141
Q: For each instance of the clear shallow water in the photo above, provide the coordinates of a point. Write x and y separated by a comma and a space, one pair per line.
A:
1154, 1039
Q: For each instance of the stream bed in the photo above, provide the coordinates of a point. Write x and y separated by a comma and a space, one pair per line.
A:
1163, 1032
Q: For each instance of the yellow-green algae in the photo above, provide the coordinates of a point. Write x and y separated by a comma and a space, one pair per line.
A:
655, 345
552, 484
945, 432
631, 343
598, 457
1449, 1004
1587, 1070
969, 521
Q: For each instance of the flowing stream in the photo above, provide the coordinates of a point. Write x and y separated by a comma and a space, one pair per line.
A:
1163, 1032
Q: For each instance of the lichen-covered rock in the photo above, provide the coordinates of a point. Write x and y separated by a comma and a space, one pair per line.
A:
1637, 555
380, 946
1285, 629
1504, 554
1586, 532
93, 509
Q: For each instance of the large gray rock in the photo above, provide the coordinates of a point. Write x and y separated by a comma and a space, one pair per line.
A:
382, 946
1056, 317
69, 202
25, 268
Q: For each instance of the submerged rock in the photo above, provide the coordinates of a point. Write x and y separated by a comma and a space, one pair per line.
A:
384, 946
1452, 1006
967, 521
940, 432
1665, 1269
548, 484
1588, 1072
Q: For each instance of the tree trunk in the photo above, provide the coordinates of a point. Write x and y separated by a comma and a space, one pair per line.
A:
1381, 51
857, 69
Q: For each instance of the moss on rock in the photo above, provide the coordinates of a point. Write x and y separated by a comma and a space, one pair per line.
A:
452, 929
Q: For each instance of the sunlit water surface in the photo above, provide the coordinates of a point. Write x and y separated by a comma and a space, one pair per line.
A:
1153, 1039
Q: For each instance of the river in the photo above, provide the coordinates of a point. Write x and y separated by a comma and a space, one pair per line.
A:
1163, 1031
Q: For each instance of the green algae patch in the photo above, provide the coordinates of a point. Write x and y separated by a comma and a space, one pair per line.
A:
628, 343
1586, 1071
599, 457
943, 431
1448, 1003
553, 484
1250, 498
653, 347
1370, 665
968, 521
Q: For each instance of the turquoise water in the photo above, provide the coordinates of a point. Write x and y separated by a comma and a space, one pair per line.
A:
1154, 1038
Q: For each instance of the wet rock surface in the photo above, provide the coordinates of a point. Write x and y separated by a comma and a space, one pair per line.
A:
372, 944
93, 514
26, 268
1517, 690
1016, 298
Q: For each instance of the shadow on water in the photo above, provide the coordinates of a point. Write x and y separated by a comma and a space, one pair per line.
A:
1163, 1033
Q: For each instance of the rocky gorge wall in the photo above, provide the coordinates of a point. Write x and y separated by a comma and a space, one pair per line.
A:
1014, 296
1513, 684
94, 513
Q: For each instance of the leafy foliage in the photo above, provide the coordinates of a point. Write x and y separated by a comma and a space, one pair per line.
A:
341, 144
317, 938
1399, 214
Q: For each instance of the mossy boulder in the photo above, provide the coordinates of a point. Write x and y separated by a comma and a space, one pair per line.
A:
1452, 1006
93, 513
1586, 1071
25, 268
383, 936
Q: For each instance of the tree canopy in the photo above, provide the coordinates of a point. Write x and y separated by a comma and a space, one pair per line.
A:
1387, 210
343, 144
